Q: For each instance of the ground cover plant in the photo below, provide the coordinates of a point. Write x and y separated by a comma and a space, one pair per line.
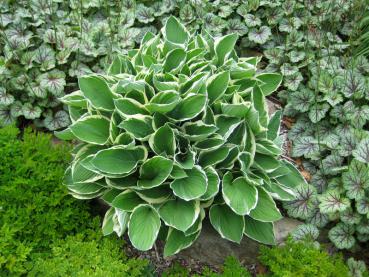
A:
46, 44
44, 231
302, 259
170, 122
332, 136
88, 255
330, 132
35, 207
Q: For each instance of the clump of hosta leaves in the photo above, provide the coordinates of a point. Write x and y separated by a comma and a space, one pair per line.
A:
331, 133
179, 130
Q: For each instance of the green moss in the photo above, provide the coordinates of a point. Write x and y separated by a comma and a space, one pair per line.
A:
298, 259
35, 207
79, 256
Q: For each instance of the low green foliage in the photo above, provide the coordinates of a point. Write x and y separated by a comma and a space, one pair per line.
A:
46, 44
35, 207
302, 259
168, 124
331, 134
81, 256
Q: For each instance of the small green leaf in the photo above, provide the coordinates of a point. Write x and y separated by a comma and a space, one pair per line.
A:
227, 223
177, 241
361, 153
118, 160
143, 227
240, 195
154, 171
269, 82
260, 231
266, 209
332, 201
224, 46
97, 92
342, 236
175, 32
217, 85
91, 129
191, 187
179, 214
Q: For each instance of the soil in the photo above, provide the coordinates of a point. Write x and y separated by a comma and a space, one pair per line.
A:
155, 256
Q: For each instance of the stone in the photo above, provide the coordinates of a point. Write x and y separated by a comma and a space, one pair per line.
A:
211, 249
272, 107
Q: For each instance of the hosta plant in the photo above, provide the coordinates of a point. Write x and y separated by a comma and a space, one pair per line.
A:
331, 134
176, 131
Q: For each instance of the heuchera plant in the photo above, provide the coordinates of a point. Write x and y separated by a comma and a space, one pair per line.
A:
179, 129
330, 133
46, 44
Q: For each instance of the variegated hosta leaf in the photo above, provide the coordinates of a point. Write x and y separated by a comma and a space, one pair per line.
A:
228, 224
143, 227
260, 231
168, 121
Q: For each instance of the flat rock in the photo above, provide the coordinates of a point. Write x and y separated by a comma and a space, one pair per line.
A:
211, 249
272, 107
